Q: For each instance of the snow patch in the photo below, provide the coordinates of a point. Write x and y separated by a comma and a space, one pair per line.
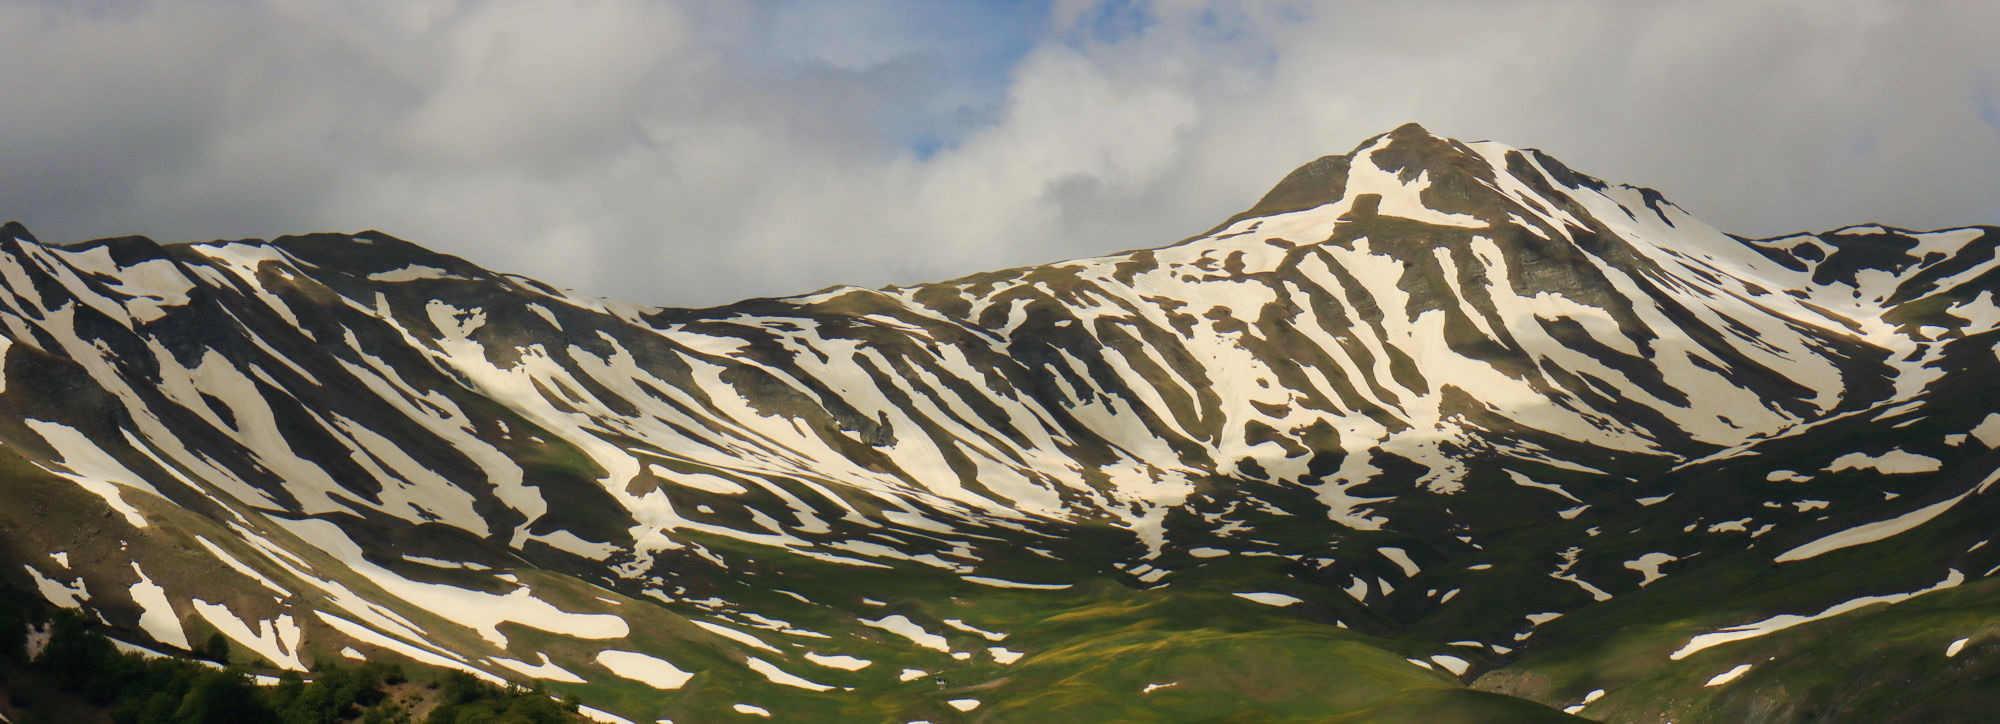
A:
482, 612
1732, 526
998, 583
1400, 558
735, 635
1356, 589
1988, 431
651, 671
1270, 599
1893, 462
1785, 621
901, 625
157, 615
1727, 676
1878, 530
60, 594
276, 641
412, 273
1453, 664
779, 676
836, 661
1577, 708
602, 716
961, 625
239, 567
546, 670
91, 468
1648, 566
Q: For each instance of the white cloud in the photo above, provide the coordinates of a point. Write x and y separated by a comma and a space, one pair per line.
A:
701, 151
536, 85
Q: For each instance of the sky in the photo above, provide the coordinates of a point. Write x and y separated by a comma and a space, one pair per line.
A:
696, 152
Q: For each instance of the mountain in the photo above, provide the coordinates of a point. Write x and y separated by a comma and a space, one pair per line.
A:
1436, 431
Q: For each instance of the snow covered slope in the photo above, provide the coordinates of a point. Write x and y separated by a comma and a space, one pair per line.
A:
1423, 398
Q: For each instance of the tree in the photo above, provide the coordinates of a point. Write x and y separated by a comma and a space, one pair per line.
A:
13, 631
216, 649
224, 697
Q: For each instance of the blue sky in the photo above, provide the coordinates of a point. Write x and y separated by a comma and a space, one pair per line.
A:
957, 57
694, 152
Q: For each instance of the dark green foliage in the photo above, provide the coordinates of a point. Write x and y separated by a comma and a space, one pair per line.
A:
141, 691
216, 649
222, 697
463, 699
87, 663
87, 666
335, 692
13, 630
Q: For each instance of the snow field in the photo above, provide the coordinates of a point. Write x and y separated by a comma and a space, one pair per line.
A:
651, 671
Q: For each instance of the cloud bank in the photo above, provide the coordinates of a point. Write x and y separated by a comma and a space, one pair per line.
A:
697, 152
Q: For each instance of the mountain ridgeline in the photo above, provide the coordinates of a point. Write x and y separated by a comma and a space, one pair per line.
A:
1436, 431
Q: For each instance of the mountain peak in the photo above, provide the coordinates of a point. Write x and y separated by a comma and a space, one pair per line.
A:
1407, 151
15, 230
